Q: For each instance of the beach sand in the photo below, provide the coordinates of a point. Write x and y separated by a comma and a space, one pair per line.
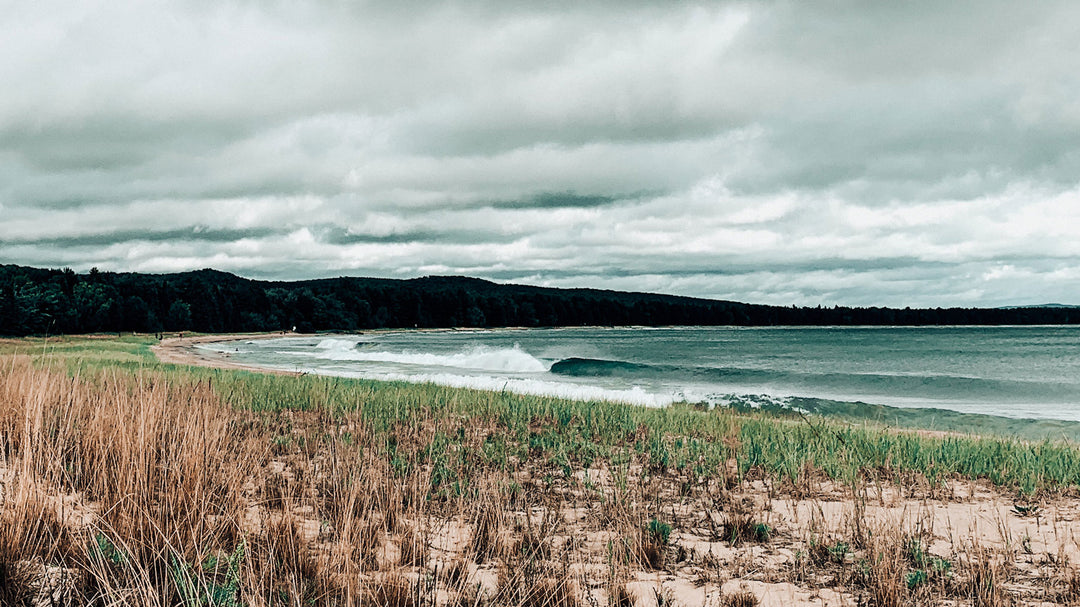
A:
960, 522
182, 350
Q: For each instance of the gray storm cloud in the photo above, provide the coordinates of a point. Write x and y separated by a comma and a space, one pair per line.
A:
774, 152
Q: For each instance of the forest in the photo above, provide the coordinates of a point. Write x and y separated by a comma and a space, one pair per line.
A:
35, 301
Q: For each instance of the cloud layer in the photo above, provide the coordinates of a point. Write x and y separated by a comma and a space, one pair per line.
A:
773, 152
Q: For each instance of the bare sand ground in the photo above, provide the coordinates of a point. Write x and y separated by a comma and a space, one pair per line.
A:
824, 537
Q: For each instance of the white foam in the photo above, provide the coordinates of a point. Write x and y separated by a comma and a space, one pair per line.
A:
479, 358
337, 344
533, 387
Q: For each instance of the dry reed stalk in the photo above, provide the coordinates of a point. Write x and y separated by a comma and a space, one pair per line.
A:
163, 465
171, 497
413, 548
740, 598
885, 569
986, 576
393, 590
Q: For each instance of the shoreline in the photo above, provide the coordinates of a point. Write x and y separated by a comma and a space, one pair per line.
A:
184, 351
932, 421
802, 539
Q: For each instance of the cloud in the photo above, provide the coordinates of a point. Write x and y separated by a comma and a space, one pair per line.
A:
850, 153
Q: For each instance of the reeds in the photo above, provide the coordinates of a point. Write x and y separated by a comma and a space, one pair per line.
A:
130, 483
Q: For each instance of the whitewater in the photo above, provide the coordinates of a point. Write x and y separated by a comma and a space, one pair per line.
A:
1015, 372
479, 367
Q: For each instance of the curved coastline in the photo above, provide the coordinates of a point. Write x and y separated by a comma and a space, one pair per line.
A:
183, 350
187, 351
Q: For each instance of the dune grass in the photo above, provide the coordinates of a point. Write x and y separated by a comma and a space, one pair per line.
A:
126, 481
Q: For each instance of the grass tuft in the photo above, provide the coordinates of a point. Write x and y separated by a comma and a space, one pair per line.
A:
129, 482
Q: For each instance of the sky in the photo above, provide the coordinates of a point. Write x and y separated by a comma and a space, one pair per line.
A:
791, 153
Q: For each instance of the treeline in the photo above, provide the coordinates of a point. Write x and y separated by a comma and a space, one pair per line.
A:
37, 301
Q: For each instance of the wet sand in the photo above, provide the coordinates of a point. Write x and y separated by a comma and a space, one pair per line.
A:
184, 351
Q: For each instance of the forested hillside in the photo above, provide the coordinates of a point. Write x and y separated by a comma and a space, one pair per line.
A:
39, 301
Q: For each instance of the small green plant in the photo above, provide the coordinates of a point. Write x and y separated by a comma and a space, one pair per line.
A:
217, 585
280, 444
916, 554
916, 578
741, 528
652, 546
822, 552
839, 551
108, 551
660, 531
928, 567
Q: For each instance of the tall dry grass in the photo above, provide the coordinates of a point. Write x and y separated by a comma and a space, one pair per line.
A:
158, 486
120, 481
144, 489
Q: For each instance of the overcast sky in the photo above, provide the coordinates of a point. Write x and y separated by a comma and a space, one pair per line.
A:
861, 153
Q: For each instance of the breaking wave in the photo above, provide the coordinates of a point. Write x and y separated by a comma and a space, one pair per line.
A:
478, 358
517, 385
926, 385
776, 372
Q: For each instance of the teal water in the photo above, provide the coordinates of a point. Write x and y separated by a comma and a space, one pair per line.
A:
920, 374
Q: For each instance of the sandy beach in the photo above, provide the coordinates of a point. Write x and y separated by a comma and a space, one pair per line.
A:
957, 523
183, 350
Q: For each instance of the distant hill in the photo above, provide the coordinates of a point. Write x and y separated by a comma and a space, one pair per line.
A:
38, 301
1048, 305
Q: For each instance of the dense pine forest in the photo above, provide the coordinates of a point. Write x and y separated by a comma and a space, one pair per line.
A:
45, 301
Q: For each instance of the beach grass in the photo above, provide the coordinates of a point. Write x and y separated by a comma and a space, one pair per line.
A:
129, 481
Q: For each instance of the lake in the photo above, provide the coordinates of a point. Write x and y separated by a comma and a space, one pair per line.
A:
1016, 372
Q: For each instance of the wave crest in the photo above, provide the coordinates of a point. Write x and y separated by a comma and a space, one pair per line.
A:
479, 358
338, 344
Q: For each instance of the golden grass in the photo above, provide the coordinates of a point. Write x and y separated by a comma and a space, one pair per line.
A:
154, 486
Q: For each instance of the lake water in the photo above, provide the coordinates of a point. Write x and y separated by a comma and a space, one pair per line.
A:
1017, 372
